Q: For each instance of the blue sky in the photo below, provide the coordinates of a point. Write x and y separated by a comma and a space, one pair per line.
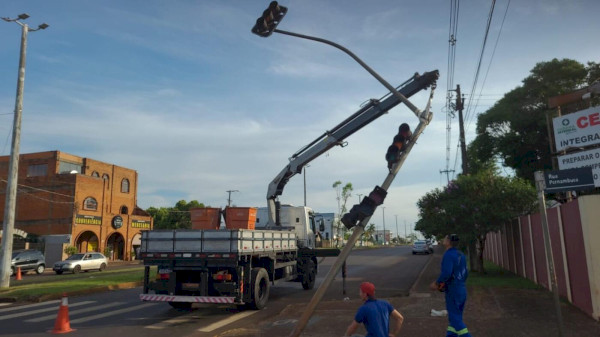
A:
182, 92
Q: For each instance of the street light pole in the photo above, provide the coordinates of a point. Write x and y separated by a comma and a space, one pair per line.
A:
383, 210
397, 233
13, 169
359, 195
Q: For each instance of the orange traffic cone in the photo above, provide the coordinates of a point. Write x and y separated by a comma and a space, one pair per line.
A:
62, 324
18, 274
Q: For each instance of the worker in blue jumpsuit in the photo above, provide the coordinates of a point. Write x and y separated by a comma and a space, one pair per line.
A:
452, 281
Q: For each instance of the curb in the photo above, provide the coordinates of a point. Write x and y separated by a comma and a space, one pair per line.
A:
411, 292
55, 296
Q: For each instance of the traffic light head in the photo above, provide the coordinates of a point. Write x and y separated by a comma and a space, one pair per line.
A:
404, 130
266, 24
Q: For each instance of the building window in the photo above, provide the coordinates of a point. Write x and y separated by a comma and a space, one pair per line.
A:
105, 177
66, 167
124, 210
125, 186
95, 174
38, 170
90, 204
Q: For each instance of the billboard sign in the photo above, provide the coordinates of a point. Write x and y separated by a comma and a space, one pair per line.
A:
589, 158
579, 129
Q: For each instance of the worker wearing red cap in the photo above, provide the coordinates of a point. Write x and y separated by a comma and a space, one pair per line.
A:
375, 315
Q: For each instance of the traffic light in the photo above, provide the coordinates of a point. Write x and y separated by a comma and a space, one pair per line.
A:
271, 17
365, 208
398, 146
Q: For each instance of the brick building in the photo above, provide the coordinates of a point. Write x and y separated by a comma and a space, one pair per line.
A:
91, 203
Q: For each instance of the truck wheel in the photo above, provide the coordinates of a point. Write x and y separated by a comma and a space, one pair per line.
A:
309, 276
260, 288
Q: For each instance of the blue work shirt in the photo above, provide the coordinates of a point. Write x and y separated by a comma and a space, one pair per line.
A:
454, 269
375, 315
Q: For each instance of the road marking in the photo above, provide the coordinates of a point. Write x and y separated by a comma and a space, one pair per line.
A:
226, 321
111, 313
28, 313
173, 321
75, 312
28, 306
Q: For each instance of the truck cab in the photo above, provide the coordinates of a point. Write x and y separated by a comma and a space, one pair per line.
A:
300, 219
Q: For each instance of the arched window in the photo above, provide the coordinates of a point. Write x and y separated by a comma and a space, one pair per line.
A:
90, 204
125, 185
124, 210
105, 177
95, 174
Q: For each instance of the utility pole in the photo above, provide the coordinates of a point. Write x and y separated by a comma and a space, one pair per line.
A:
359, 195
383, 210
305, 185
397, 233
463, 146
447, 174
13, 169
229, 197
406, 237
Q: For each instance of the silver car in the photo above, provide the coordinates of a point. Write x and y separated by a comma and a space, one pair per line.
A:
81, 261
420, 247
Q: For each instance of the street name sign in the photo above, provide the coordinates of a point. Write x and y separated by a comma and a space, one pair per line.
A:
576, 179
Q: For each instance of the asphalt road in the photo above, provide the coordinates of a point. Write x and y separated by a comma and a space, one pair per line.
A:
120, 313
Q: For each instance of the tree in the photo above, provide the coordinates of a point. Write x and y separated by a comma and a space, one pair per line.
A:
514, 130
177, 217
342, 195
473, 206
368, 233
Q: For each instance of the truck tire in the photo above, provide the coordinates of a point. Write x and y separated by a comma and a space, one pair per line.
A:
309, 276
260, 288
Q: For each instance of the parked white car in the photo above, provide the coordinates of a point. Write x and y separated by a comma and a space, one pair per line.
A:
81, 261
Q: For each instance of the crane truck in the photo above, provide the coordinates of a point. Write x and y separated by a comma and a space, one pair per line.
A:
238, 266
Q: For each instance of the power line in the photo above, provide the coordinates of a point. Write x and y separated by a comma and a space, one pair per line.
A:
40, 189
476, 78
489, 64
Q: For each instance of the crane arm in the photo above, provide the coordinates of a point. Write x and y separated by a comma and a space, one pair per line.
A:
336, 136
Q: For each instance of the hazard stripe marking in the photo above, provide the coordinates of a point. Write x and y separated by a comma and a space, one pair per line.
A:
111, 313
75, 312
19, 307
190, 299
54, 308
226, 321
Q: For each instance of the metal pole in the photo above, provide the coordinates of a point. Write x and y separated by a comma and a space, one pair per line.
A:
13, 171
358, 230
397, 233
383, 210
541, 186
305, 186
401, 97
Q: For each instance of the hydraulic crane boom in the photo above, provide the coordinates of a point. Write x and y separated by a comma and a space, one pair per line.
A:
365, 115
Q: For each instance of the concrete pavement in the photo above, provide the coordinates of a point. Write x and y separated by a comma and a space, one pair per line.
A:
489, 312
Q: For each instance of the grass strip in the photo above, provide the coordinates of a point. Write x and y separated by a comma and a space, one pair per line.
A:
496, 276
77, 283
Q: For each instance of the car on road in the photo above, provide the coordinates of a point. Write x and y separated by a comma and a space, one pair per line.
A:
81, 262
430, 244
27, 259
420, 247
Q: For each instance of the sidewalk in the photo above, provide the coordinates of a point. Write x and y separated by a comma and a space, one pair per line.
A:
489, 312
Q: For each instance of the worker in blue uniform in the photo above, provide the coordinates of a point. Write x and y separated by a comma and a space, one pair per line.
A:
452, 281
